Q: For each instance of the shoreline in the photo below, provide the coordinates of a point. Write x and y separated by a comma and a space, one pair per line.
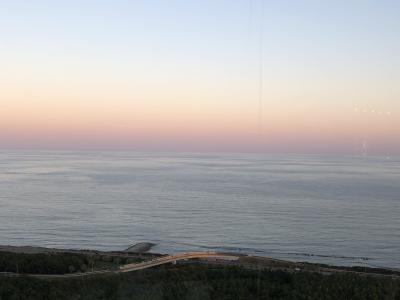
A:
139, 248
141, 251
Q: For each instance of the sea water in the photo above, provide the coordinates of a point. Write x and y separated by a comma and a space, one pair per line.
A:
335, 210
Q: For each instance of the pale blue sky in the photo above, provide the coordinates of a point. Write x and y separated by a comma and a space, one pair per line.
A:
315, 53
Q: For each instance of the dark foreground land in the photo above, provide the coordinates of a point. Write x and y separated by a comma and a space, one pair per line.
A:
248, 278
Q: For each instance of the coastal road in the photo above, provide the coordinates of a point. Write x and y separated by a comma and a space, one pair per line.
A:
167, 259
176, 257
225, 257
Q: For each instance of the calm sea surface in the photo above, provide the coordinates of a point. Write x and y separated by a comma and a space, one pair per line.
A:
304, 208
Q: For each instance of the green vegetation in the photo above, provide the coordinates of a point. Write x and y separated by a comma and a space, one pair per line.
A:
199, 281
182, 281
357, 269
58, 263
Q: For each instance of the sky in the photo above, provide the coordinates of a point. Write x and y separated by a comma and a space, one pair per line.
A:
209, 75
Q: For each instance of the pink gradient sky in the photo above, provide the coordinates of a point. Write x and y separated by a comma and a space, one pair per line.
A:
106, 77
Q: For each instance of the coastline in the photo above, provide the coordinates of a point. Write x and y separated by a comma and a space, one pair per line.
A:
141, 251
46, 273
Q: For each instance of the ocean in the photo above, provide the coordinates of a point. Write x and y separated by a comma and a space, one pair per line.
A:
326, 209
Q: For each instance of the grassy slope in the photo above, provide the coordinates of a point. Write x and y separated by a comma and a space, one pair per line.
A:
203, 282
